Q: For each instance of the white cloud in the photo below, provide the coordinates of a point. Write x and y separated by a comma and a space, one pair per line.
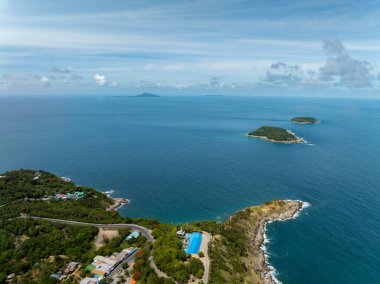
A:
333, 47
100, 80
44, 81
343, 70
282, 74
339, 70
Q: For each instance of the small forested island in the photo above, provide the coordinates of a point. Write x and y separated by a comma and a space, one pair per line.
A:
305, 120
40, 243
275, 134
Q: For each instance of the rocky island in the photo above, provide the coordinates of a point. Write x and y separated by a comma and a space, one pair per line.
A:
275, 134
305, 120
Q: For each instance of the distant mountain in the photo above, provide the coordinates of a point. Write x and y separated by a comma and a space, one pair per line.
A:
143, 95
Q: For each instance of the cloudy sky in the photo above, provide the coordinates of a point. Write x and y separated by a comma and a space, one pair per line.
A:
189, 47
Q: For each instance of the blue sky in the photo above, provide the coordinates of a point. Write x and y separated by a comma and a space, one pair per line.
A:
189, 47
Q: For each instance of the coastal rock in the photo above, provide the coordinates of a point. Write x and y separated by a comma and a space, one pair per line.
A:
242, 242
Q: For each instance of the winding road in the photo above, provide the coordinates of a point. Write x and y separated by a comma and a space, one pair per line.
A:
144, 231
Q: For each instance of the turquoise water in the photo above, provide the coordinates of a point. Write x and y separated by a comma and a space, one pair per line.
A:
195, 240
181, 159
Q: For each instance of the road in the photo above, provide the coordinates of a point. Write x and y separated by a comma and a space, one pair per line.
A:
144, 231
120, 266
206, 238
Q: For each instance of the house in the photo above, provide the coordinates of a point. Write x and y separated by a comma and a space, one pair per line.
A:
135, 234
65, 179
89, 280
99, 259
70, 267
181, 233
57, 276
37, 175
78, 195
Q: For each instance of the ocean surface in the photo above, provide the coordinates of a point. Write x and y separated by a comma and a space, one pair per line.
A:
182, 159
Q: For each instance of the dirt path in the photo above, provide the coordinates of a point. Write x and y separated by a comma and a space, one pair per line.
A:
156, 269
105, 234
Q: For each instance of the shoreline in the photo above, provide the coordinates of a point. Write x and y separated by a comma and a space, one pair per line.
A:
318, 122
298, 139
269, 273
117, 203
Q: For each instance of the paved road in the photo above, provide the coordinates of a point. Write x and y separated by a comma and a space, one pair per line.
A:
120, 266
206, 238
144, 231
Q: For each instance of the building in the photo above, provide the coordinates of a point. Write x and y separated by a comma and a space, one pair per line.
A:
78, 195
57, 276
70, 267
181, 233
89, 280
103, 265
68, 196
135, 234
37, 175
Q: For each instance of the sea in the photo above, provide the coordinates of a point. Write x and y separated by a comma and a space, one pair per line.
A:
180, 159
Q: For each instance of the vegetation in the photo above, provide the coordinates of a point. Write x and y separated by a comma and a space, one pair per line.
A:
21, 192
18, 185
170, 257
305, 120
117, 244
143, 273
34, 249
233, 252
276, 134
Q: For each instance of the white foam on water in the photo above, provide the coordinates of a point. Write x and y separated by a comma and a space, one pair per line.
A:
272, 273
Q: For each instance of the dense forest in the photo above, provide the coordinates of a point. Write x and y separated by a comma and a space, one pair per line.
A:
274, 133
34, 249
305, 120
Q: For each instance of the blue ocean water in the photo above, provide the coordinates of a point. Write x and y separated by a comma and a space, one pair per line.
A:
181, 159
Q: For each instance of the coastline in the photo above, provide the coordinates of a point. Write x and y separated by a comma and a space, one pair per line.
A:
298, 139
117, 203
239, 252
295, 122
269, 272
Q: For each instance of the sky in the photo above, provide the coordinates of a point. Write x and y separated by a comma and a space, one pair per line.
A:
190, 47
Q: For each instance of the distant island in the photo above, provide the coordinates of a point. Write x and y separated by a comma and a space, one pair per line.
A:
305, 120
143, 95
146, 95
275, 134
